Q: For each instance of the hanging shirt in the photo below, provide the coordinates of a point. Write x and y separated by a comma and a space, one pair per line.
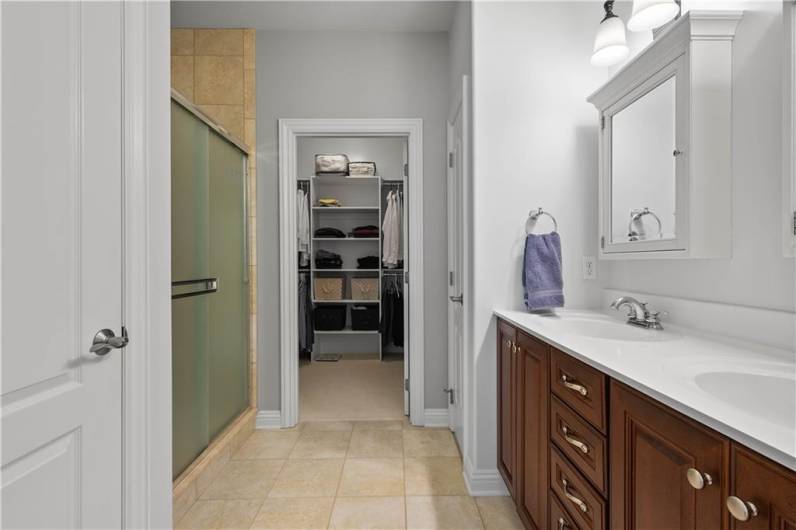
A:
391, 247
303, 228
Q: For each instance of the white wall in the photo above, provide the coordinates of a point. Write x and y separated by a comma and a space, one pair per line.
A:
756, 275
352, 75
535, 144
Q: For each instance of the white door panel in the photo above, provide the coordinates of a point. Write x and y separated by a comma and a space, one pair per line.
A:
61, 264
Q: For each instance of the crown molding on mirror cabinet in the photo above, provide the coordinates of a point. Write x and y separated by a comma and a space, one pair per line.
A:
695, 51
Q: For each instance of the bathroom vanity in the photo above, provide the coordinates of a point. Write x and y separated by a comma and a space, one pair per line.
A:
603, 425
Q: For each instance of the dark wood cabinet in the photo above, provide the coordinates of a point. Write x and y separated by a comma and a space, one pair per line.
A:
507, 403
533, 429
652, 450
767, 490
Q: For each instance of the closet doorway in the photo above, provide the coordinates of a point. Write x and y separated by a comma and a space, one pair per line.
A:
351, 269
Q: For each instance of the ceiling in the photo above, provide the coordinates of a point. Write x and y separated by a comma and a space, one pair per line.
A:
329, 15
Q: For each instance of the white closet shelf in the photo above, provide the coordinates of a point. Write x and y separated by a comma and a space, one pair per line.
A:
349, 331
346, 208
346, 239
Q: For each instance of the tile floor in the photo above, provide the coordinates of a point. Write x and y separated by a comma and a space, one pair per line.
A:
347, 475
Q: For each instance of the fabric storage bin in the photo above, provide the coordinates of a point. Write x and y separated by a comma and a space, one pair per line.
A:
362, 169
365, 317
330, 288
331, 165
364, 288
329, 317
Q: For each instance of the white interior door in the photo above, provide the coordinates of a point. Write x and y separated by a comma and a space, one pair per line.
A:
61, 264
455, 204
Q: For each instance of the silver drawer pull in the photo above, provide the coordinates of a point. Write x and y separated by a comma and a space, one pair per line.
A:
562, 524
574, 500
574, 385
571, 440
741, 509
697, 479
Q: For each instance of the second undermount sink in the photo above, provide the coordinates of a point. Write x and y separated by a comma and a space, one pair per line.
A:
608, 329
773, 396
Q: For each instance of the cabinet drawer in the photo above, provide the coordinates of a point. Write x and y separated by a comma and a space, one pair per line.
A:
579, 386
559, 518
580, 499
585, 447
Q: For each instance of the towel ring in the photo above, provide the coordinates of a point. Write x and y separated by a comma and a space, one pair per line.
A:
534, 216
636, 215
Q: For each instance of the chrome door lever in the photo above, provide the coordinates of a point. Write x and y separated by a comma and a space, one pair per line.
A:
457, 299
105, 340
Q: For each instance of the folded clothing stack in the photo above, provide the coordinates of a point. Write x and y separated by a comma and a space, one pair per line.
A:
368, 262
328, 260
365, 231
328, 202
329, 232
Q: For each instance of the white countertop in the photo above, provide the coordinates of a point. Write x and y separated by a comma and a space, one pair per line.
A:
743, 390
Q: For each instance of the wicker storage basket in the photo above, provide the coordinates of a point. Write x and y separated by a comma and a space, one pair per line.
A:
364, 288
329, 288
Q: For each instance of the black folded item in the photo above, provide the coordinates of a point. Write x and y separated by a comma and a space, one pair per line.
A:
365, 231
325, 259
329, 232
368, 262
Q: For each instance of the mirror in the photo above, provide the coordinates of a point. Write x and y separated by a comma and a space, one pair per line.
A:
643, 167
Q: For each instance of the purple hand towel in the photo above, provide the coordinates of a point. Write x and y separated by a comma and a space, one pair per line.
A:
542, 281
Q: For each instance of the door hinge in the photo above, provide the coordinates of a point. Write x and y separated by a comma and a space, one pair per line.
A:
602, 242
406, 170
406, 385
794, 223
451, 395
450, 159
450, 278
602, 122
406, 277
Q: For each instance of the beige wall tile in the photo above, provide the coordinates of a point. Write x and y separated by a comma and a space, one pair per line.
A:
218, 80
249, 49
181, 41
288, 514
229, 116
218, 42
372, 477
354, 513
249, 133
182, 75
454, 513
249, 94
499, 513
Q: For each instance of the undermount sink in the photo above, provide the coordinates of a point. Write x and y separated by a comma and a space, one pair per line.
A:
753, 393
608, 329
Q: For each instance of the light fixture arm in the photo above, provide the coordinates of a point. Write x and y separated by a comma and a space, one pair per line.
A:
609, 10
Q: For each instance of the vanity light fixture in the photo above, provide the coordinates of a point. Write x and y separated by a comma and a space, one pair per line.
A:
650, 14
610, 44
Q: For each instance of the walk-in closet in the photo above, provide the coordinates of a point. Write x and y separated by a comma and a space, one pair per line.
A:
352, 266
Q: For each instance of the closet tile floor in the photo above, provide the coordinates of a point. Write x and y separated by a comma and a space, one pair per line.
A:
351, 389
347, 475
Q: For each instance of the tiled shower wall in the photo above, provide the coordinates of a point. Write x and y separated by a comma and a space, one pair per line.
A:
214, 69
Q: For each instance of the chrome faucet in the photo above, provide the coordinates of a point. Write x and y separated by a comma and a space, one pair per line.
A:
638, 315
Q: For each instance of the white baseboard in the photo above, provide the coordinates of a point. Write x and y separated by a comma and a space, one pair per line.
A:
484, 482
268, 419
436, 418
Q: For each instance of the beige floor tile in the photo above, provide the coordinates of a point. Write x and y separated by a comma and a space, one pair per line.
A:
376, 444
308, 478
292, 514
244, 479
321, 444
267, 445
499, 513
454, 513
434, 476
391, 425
218, 514
372, 477
312, 426
426, 442
368, 512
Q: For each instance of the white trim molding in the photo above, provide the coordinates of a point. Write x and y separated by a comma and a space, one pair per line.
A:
789, 131
268, 419
483, 482
290, 130
146, 202
436, 418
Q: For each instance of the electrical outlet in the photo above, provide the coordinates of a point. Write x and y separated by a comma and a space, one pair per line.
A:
589, 268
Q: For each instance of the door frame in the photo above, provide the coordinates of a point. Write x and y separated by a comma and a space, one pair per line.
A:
290, 130
146, 298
